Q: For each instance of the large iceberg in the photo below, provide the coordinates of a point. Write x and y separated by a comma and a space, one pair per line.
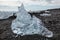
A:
24, 24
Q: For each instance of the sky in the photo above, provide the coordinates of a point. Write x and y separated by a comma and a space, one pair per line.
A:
33, 5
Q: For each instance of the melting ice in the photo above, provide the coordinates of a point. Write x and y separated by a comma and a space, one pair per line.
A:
24, 24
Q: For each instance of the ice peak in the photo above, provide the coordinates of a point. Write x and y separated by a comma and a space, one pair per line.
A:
20, 8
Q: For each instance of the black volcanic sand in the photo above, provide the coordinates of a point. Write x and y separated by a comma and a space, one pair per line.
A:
51, 22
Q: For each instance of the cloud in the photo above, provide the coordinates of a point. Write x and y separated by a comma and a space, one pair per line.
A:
34, 2
56, 2
41, 2
29, 2
10, 3
8, 0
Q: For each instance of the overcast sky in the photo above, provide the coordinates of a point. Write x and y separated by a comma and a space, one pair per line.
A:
30, 4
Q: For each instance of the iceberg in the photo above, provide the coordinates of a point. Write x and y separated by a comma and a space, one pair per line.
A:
24, 24
7, 11
6, 14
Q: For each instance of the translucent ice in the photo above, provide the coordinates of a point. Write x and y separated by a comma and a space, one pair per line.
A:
24, 24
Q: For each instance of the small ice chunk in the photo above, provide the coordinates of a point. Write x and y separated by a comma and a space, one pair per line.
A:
15, 31
45, 14
47, 11
50, 34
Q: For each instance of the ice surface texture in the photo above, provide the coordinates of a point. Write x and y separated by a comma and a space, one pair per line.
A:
24, 24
